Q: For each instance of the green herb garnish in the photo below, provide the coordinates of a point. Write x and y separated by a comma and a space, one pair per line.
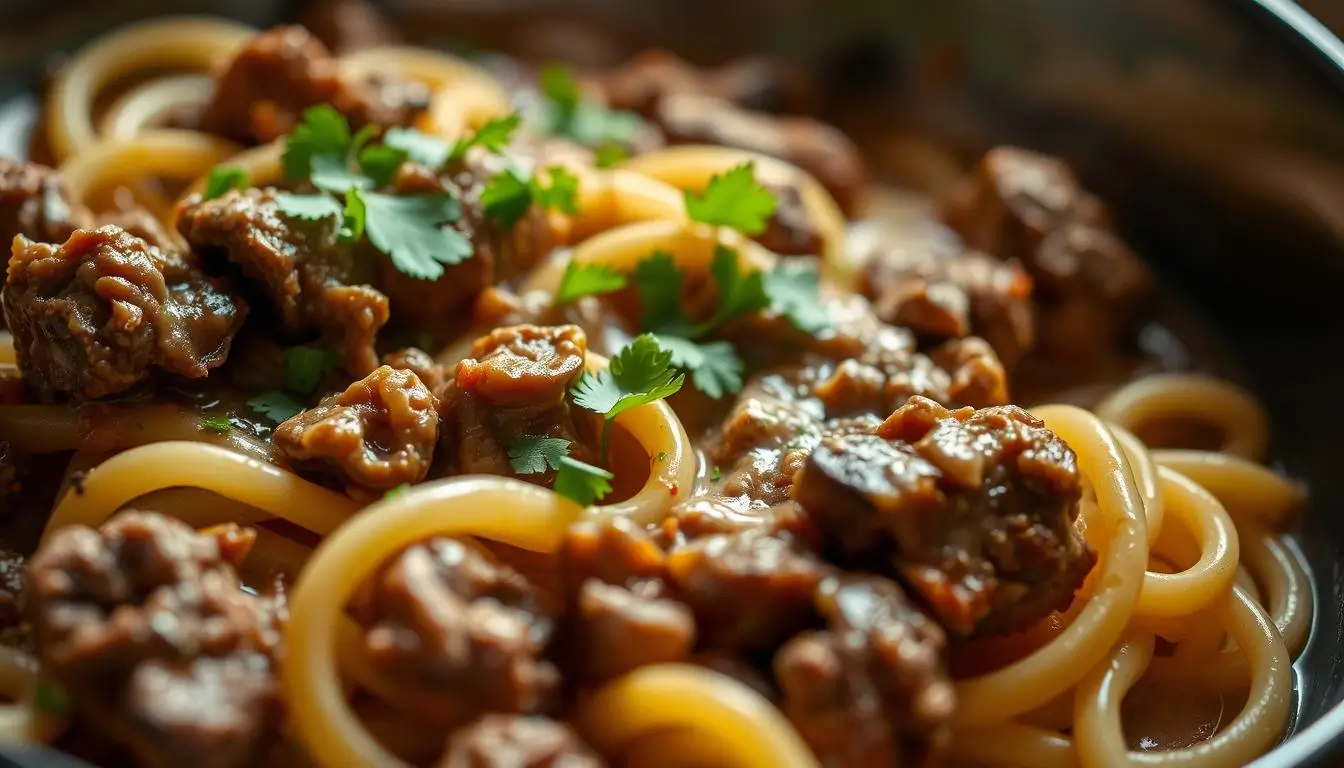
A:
531, 455
638, 374
583, 483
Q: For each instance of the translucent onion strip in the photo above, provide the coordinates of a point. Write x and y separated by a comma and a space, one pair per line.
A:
174, 43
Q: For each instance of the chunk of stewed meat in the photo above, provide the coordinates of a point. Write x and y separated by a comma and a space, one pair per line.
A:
140, 222
513, 383
514, 741
1029, 207
622, 613
765, 84
263, 91
459, 633
939, 292
378, 434
978, 377
499, 253
34, 203
419, 362
750, 590
101, 312
311, 283
145, 626
973, 510
791, 231
870, 689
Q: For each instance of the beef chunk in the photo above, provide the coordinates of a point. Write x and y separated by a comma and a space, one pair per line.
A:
622, 613
500, 253
461, 632
311, 283
98, 314
262, 93
750, 590
513, 383
144, 624
1028, 207
790, 232
513, 741
379, 433
139, 222
870, 689
759, 83
974, 510
941, 293
420, 363
34, 203
978, 377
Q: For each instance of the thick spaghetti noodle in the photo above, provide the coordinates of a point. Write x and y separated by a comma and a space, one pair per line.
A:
1181, 575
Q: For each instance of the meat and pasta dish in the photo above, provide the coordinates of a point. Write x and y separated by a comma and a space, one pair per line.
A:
366, 406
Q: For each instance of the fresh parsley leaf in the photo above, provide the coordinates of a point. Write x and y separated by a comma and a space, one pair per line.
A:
659, 283
323, 131
734, 199
305, 367
380, 163
419, 147
562, 194
217, 424
559, 86
354, 218
587, 122
410, 231
223, 178
51, 698
399, 491
583, 483
582, 280
640, 373
332, 173
794, 290
531, 455
275, 405
715, 367
308, 207
740, 293
609, 155
716, 474
506, 198
494, 137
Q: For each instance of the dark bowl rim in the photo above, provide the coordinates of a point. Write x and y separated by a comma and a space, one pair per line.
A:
1322, 740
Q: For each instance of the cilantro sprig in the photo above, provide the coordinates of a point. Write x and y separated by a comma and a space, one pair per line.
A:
223, 178
733, 199
533, 455
640, 373
566, 113
508, 194
304, 369
577, 480
581, 280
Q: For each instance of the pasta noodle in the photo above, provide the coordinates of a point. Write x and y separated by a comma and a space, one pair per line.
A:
1195, 585
184, 43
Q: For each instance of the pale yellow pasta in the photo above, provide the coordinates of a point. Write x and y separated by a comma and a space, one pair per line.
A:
183, 43
140, 107
1231, 409
163, 153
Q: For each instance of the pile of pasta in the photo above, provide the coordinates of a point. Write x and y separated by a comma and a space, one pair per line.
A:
1192, 558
